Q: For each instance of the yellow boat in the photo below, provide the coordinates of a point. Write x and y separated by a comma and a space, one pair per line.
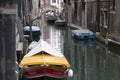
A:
43, 60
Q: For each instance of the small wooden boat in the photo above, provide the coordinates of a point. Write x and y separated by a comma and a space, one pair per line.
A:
43, 60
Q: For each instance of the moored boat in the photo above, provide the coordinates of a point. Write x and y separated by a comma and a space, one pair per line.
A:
82, 34
59, 22
43, 60
50, 16
35, 30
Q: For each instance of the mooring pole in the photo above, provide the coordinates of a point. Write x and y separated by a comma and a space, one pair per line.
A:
8, 56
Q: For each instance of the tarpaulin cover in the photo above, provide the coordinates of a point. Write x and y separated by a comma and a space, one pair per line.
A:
36, 56
44, 59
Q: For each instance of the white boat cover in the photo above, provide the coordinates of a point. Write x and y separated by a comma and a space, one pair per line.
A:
32, 45
34, 28
44, 46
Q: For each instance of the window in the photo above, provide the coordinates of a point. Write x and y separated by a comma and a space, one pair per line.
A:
113, 4
53, 1
103, 18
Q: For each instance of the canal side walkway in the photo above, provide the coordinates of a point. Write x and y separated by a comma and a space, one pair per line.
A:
98, 37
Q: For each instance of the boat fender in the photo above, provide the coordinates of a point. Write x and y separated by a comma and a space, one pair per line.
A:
70, 73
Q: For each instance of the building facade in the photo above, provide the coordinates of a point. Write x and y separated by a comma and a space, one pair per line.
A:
100, 16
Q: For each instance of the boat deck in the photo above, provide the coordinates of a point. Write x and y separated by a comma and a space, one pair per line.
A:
82, 34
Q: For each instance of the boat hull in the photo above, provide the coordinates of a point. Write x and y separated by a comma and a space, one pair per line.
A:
40, 72
43, 60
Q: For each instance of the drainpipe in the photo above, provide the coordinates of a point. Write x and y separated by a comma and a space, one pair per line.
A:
30, 27
98, 16
84, 14
108, 22
66, 11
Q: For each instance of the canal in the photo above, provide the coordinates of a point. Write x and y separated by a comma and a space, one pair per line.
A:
89, 59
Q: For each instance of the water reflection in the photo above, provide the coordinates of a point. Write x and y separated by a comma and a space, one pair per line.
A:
87, 42
90, 60
54, 35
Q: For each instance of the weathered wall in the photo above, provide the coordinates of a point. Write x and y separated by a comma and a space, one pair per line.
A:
115, 21
8, 58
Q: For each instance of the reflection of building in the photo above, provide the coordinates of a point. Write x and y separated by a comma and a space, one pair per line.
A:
56, 39
45, 33
53, 36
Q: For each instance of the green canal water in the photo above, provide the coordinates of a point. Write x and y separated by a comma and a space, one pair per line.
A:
89, 59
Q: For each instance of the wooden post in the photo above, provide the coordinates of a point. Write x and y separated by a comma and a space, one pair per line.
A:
7, 40
30, 27
7, 47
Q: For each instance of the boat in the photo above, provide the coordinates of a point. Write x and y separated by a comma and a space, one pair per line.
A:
43, 60
82, 34
50, 16
35, 30
59, 22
